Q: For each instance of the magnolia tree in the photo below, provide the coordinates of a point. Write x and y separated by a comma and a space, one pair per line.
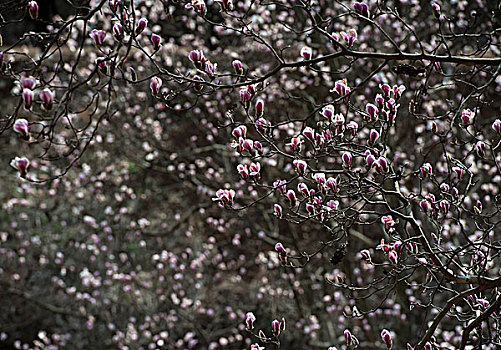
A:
193, 175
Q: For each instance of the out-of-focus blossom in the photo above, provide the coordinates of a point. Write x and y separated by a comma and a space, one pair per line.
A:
155, 84
361, 8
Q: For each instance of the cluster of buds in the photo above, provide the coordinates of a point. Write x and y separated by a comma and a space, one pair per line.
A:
429, 205
361, 8
246, 94
349, 38
21, 164
391, 250
342, 89
277, 211
21, 126
241, 143
98, 36
282, 254
199, 7
387, 338
202, 63
226, 5
225, 197
277, 327
253, 171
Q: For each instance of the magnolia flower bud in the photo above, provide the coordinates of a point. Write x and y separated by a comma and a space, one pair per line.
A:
309, 133
436, 10
393, 257
372, 110
33, 9
238, 66
28, 98
348, 337
444, 206
98, 36
292, 197
426, 170
249, 320
277, 210
387, 338
47, 99
366, 255
141, 25
496, 126
21, 164
361, 8
373, 137
480, 149
425, 205
347, 159
306, 53
243, 171
117, 31
352, 127
245, 97
21, 126
259, 108
300, 166
275, 327
28, 83
155, 85
155, 40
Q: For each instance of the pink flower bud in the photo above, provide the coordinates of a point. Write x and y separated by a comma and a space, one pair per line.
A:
372, 110
366, 254
320, 179
28, 83
310, 209
245, 97
277, 210
380, 101
331, 183
279, 248
426, 170
455, 192
436, 10
373, 137
292, 197
387, 338
328, 111
306, 53
303, 189
361, 8
340, 87
21, 126
243, 171
496, 126
348, 337
198, 86
445, 188
458, 171
155, 40
199, 7
382, 165
21, 164
114, 5
117, 31
259, 108
282, 325
280, 185
249, 320
98, 36
33, 9
393, 257
240, 131
347, 159
385, 88
255, 169
295, 144
155, 85
480, 149
369, 161
262, 125
28, 98
337, 120
225, 197
425, 205
248, 145
397, 91
352, 127
141, 25
238, 66
350, 37
47, 99
478, 207
309, 133
275, 327
428, 346
198, 59
444, 206
300, 166
467, 117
